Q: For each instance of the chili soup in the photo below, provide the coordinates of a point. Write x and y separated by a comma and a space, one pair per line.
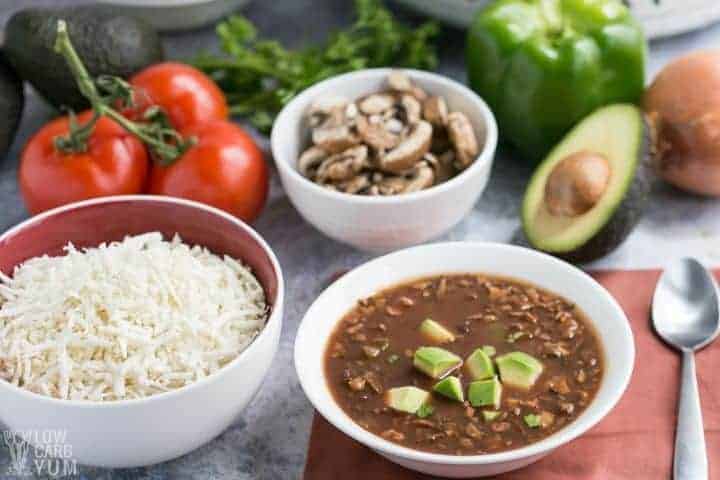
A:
464, 364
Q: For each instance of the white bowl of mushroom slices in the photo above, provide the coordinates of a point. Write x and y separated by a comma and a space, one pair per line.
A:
382, 158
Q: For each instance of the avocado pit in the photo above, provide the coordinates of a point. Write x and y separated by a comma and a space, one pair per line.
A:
577, 183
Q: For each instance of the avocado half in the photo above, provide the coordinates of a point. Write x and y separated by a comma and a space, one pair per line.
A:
618, 133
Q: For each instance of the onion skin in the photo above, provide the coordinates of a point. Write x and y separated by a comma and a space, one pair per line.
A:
683, 107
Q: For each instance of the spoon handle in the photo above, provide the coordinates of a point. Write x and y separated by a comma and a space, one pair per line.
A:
690, 456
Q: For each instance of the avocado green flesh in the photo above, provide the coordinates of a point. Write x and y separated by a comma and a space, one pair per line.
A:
518, 369
485, 393
435, 362
406, 399
490, 415
616, 132
435, 332
479, 365
450, 387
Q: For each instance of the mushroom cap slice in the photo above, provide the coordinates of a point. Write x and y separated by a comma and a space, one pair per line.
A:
442, 165
410, 151
327, 105
435, 111
423, 176
311, 159
343, 166
356, 184
462, 136
324, 108
412, 109
334, 139
392, 185
376, 134
401, 82
376, 103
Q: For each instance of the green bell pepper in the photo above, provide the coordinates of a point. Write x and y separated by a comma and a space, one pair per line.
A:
542, 65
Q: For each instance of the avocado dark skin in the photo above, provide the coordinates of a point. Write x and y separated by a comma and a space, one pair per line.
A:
108, 44
626, 216
12, 101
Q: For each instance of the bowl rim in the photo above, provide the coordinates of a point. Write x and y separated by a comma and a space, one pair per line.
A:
485, 155
568, 433
274, 318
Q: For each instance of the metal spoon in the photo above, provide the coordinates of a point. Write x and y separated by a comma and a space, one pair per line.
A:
685, 314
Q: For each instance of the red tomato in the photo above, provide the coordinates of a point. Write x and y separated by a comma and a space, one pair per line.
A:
187, 95
224, 169
114, 163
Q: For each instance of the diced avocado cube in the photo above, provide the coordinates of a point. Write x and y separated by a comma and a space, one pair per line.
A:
425, 410
518, 369
435, 362
490, 415
489, 350
435, 332
532, 420
451, 388
485, 393
479, 365
406, 399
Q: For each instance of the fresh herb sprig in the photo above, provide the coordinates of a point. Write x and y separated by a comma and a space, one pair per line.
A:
260, 76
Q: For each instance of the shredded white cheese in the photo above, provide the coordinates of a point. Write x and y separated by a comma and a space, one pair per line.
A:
125, 320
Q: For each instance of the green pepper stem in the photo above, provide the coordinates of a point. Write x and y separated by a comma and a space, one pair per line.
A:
76, 140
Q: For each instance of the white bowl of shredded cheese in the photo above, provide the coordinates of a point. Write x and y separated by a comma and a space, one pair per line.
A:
138, 326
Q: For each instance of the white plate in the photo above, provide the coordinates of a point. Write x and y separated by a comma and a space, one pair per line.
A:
670, 17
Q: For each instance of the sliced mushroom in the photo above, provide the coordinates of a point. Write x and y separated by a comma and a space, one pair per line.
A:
351, 111
343, 166
435, 111
376, 134
440, 142
310, 160
442, 165
357, 184
422, 177
325, 107
463, 138
400, 82
391, 185
334, 139
411, 108
412, 149
389, 142
376, 103
393, 125
373, 191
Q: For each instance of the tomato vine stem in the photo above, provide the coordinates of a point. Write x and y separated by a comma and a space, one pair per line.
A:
164, 142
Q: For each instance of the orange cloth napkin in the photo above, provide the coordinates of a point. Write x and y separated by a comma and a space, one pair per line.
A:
635, 441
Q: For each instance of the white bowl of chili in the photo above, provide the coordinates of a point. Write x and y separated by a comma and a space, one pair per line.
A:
538, 271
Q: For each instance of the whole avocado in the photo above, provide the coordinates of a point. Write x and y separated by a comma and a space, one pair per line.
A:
108, 44
12, 101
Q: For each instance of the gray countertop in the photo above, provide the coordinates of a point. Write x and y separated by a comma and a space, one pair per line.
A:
269, 441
